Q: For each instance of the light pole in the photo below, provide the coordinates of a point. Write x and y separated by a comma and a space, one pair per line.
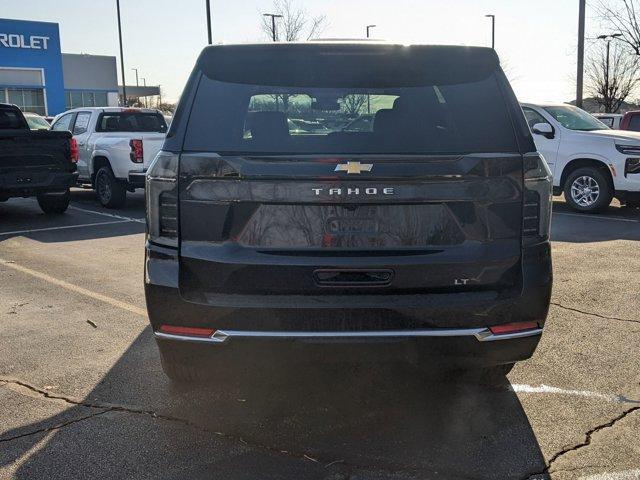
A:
208, 2
369, 27
144, 82
608, 38
493, 30
273, 24
580, 73
136, 70
124, 83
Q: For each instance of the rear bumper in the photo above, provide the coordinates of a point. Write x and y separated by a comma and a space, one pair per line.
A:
452, 327
467, 347
137, 179
29, 183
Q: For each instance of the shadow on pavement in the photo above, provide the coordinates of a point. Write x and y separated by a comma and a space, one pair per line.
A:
84, 220
615, 223
298, 422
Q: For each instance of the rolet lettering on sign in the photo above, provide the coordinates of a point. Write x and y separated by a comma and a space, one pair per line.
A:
13, 40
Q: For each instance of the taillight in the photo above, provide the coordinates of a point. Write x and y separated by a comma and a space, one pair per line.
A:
137, 154
73, 148
512, 327
187, 331
162, 199
537, 199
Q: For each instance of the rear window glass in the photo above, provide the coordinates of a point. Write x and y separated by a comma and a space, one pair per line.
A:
233, 118
11, 119
131, 122
634, 123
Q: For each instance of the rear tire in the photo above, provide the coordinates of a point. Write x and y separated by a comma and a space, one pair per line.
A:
54, 203
588, 190
110, 191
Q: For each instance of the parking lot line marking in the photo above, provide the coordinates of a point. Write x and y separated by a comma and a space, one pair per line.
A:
518, 388
104, 214
45, 229
75, 288
600, 217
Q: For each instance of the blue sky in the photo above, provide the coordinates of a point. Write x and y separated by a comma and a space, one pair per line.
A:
535, 40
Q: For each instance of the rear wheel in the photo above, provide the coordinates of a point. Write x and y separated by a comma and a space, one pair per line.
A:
588, 190
54, 203
110, 191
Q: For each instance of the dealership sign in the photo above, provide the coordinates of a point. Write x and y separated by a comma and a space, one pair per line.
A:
13, 40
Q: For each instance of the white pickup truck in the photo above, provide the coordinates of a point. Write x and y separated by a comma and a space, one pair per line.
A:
590, 162
116, 146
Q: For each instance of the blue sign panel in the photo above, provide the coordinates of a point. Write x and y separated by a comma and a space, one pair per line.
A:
35, 45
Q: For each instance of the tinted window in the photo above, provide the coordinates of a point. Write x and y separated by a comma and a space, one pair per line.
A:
11, 119
305, 119
634, 123
608, 121
64, 122
533, 117
131, 122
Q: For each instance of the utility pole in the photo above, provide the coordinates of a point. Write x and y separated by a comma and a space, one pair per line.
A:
208, 2
493, 30
144, 82
369, 27
124, 83
136, 70
580, 73
608, 38
273, 16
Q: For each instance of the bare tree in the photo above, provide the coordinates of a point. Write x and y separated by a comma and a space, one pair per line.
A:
294, 24
612, 76
353, 104
620, 16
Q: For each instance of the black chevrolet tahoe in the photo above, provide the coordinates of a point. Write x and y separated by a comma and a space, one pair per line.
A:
38, 163
422, 236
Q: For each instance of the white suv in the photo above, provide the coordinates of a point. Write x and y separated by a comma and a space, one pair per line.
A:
590, 162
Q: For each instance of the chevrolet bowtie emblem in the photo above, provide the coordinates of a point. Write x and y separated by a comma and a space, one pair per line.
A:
354, 167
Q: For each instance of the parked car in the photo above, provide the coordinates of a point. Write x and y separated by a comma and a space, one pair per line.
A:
36, 163
631, 121
116, 146
590, 162
36, 122
611, 120
426, 238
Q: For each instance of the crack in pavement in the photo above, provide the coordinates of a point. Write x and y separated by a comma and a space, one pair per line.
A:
593, 314
585, 443
54, 427
347, 468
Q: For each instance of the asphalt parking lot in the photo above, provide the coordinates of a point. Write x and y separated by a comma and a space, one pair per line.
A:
83, 394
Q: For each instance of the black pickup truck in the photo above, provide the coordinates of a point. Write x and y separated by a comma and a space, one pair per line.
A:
38, 163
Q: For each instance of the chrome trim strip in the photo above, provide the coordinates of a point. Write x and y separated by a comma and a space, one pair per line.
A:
481, 334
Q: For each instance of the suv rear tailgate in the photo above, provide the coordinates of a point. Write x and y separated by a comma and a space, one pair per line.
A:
30, 158
291, 225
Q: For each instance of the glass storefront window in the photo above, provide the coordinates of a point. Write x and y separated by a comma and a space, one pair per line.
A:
84, 98
27, 99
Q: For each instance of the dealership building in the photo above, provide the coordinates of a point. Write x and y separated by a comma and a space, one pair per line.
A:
38, 77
